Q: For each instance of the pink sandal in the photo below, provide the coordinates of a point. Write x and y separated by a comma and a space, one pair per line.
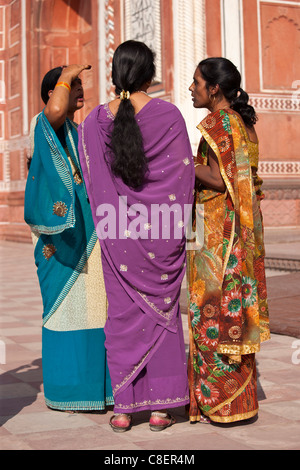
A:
120, 422
160, 421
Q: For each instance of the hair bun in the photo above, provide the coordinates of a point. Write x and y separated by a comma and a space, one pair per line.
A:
222, 71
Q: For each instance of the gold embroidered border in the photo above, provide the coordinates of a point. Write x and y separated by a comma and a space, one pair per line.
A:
229, 400
237, 350
167, 315
71, 137
214, 146
87, 158
118, 386
167, 401
194, 419
265, 336
230, 419
128, 377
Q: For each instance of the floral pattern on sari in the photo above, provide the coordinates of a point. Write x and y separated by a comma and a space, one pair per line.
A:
228, 313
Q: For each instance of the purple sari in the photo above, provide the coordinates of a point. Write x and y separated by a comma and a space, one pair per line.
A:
143, 253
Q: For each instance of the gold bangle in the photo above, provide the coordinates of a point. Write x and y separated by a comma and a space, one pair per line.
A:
64, 84
197, 164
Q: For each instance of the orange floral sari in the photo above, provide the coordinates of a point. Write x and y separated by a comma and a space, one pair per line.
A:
228, 311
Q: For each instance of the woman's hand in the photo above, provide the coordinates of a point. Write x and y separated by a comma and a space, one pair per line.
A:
71, 72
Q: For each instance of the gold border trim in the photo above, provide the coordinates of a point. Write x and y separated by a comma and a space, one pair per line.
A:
166, 315
233, 397
195, 419
214, 146
166, 401
238, 350
128, 377
231, 419
87, 158
265, 336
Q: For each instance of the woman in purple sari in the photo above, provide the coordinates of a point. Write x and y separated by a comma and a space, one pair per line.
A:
138, 169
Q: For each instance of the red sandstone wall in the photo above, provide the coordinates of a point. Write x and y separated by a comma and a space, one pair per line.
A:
272, 75
65, 31
58, 32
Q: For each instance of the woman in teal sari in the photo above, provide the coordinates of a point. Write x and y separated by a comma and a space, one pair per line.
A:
67, 253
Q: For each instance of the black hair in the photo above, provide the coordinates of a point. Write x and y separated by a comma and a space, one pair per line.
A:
49, 82
221, 71
132, 67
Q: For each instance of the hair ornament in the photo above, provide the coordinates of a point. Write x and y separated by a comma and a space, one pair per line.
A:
124, 95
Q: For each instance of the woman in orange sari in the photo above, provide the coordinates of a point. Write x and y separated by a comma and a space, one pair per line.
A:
228, 312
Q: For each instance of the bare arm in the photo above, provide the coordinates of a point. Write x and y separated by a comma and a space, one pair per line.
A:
209, 175
57, 107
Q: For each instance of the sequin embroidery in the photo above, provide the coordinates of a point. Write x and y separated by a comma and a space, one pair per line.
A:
48, 251
60, 209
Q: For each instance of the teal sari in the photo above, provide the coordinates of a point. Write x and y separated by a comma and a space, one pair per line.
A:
68, 259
